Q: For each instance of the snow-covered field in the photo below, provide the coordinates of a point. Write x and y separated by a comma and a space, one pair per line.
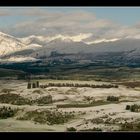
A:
107, 117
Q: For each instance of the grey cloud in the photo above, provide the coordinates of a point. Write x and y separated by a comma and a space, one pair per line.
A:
5, 12
70, 23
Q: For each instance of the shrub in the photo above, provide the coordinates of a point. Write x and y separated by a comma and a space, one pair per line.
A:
130, 127
6, 112
93, 129
47, 116
13, 99
44, 100
16, 99
133, 108
127, 107
112, 98
71, 129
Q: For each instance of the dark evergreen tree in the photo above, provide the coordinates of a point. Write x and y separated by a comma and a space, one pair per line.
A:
29, 86
33, 85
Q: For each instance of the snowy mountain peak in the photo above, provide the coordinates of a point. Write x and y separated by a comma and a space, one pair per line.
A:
43, 40
7, 36
60, 40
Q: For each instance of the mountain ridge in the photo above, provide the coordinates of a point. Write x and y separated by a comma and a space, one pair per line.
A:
13, 47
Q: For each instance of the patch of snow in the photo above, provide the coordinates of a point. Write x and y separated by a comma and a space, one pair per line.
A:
19, 59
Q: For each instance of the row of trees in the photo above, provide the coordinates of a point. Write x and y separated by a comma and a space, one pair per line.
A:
77, 85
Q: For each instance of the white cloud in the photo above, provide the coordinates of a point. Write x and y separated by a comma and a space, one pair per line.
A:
75, 25
50, 23
102, 40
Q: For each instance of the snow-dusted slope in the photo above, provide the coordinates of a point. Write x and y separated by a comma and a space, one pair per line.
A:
18, 59
66, 46
74, 44
9, 44
40, 40
69, 46
34, 46
117, 46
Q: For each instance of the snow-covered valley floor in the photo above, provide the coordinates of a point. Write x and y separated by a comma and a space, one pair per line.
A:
95, 114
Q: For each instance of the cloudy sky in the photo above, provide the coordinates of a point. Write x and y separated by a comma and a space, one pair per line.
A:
86, 23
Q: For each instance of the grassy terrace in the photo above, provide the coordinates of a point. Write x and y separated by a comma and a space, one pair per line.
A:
96, 103
16, 99
133, 126
49, 117
109, 100
131, 84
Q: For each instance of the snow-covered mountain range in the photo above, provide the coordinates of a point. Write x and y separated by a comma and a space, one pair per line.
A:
34, 47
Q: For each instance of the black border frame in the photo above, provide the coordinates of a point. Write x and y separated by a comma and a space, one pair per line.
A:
69, 3
68, 135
